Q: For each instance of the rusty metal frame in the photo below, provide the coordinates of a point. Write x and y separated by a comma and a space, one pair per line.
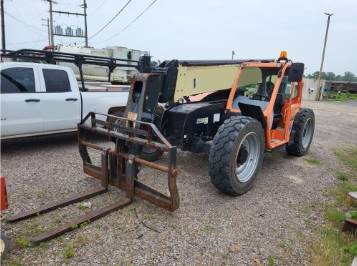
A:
118, 168
134, 134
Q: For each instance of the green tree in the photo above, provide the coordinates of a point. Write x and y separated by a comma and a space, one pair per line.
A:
315, 75
349, 76
330, 76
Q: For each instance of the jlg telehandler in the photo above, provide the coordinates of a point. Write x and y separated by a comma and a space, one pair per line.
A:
234, 110
259, 112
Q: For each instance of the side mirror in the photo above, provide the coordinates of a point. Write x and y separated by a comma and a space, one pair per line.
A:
296, 72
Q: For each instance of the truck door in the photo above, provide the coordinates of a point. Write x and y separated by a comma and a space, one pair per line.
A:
61, 100
20, 101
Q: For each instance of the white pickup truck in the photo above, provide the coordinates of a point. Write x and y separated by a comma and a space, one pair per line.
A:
41, 99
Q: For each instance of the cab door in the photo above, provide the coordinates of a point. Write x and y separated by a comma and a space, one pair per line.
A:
292, 105
20, 100
61, 99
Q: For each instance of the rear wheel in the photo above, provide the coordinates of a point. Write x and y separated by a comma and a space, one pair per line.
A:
303, 128
236, 155
116, 112
151, 154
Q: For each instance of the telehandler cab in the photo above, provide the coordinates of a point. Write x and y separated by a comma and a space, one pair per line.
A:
194, 106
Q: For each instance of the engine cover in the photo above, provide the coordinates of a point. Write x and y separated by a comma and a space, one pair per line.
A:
191, 125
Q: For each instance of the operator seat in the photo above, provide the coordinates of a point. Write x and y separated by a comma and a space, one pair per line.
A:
279, 103
261, 94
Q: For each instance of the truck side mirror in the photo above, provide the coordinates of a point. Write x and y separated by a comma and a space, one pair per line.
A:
296, 72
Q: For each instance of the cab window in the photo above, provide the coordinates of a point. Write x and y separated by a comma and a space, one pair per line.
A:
18, 80
257, 83
56, 80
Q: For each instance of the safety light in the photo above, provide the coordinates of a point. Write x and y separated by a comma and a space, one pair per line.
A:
283, 55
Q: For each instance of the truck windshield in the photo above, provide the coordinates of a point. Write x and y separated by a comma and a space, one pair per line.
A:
257, 83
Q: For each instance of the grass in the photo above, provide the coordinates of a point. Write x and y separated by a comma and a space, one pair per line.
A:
23, 242
340, 193
351, 249
285, 244
341, 97
313, 161
69, 251
335, 216
342, 176
332, 246
81, 206
82, 240
348, 157
353, 214
14, 262
271, 261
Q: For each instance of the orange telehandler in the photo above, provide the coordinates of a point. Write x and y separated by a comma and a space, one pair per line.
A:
233, 110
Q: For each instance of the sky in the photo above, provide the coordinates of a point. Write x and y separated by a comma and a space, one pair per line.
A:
202, 29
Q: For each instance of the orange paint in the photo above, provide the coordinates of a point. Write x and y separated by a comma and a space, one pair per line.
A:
280, 136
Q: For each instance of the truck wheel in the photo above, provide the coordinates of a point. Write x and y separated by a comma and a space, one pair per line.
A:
236, 155
151, 154
4, 245
116, 112
304, 127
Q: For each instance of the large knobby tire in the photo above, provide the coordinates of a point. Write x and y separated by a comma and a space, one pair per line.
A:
236, 155
303, 129
151, 154
116, 112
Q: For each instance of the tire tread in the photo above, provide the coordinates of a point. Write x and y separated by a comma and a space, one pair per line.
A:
296, 148
220, 152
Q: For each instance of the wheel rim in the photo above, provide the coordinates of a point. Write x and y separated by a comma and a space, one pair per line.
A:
307, 133
247, 157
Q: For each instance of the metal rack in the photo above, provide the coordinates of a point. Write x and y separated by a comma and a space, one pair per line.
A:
52, 57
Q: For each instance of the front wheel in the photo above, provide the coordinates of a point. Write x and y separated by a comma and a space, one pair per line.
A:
236, 155
303, 132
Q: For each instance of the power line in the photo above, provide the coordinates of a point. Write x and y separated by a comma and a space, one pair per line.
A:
23, 22
47, 25
135, 19
111, 20
27, 42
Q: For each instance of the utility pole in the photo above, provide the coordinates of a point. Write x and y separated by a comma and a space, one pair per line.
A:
3, 41
85, 22
318, 92
51, 20
60, 12
47, 21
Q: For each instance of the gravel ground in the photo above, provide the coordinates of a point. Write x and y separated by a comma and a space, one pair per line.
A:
276, 220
